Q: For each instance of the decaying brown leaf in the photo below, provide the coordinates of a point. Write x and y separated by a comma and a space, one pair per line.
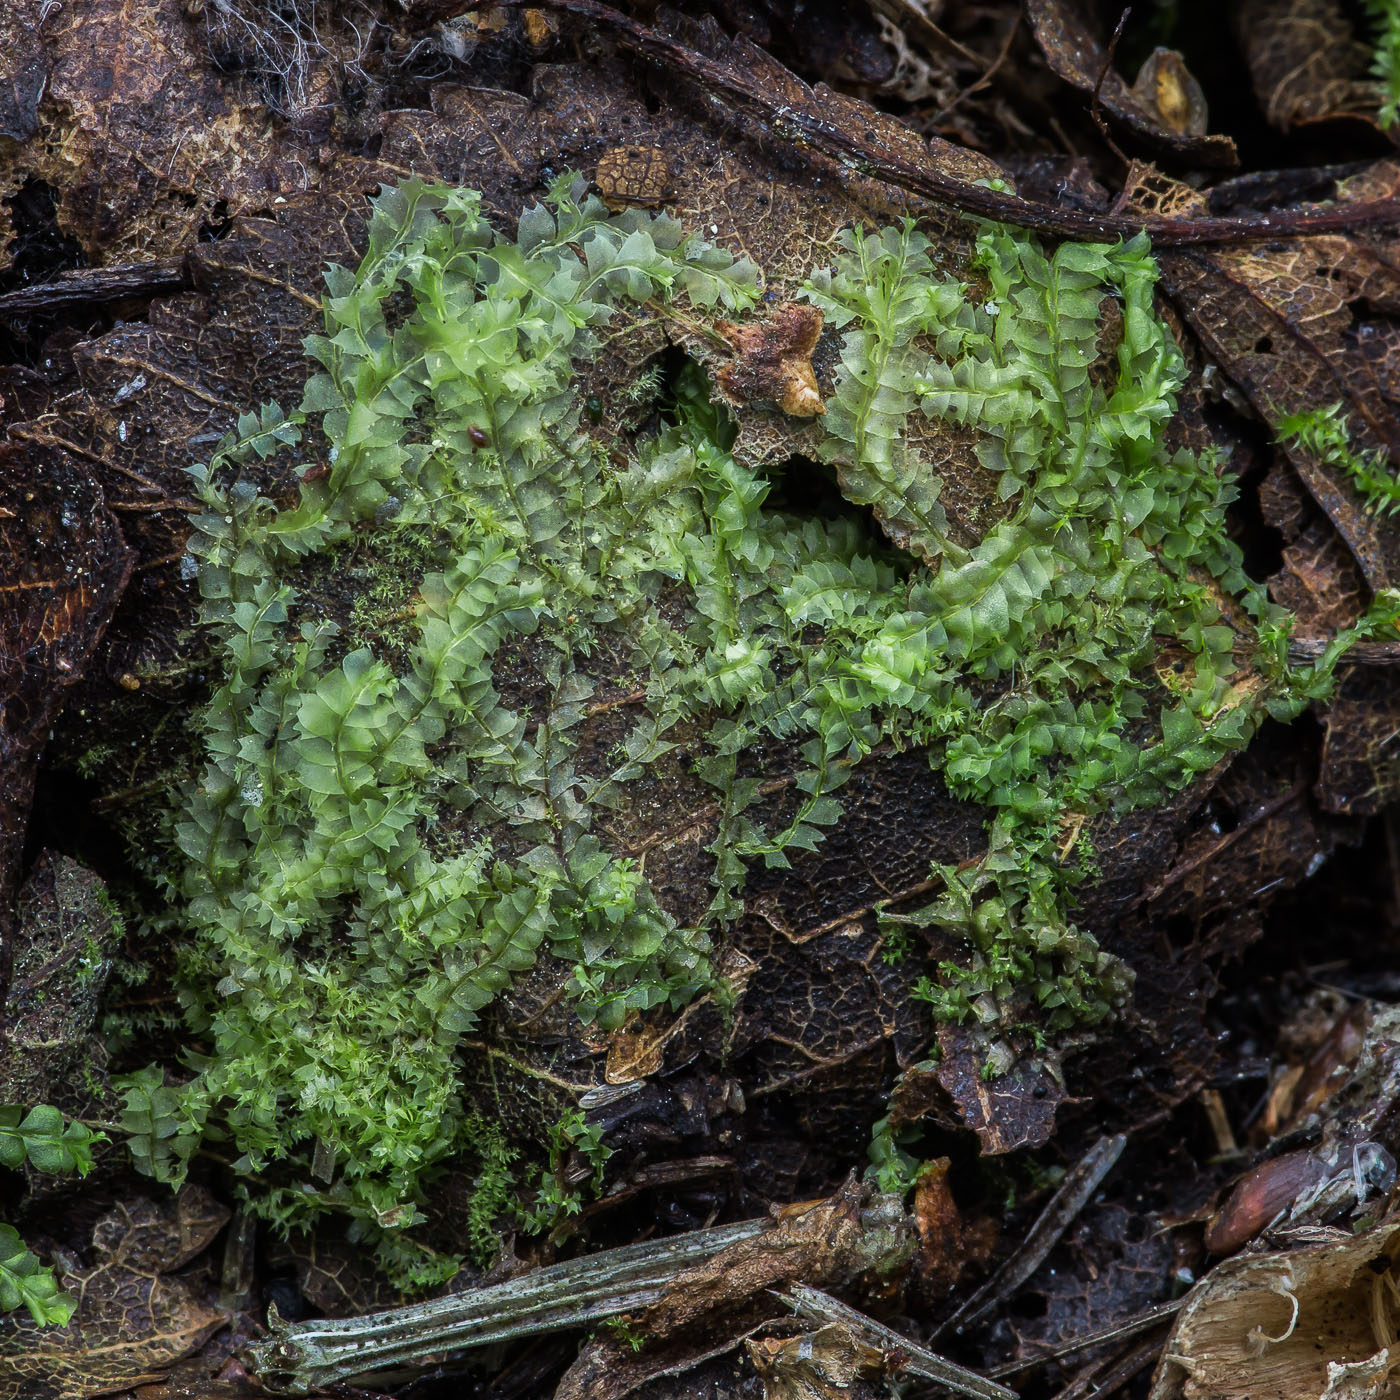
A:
62, 952
1313, 1323
1307, 62
1016, 1109
1283, 321
65, 565
140, 139
1166, 88
634, 177
135, 1315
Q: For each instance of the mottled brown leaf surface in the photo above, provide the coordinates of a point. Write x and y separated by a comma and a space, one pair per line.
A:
63, 946
135, 1315
139, 136
1359, 773
1306, 60
1283, 321
1010, 1111
24, 70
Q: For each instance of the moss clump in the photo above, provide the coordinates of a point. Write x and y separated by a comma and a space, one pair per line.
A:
339, 950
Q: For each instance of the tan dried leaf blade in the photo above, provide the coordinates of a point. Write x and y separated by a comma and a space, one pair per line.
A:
133, 1318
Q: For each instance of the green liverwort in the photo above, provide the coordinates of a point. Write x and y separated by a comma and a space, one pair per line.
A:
380, 840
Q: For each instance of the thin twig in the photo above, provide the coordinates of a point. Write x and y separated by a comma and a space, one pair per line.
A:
1113, 1332
919, 1361
1055, 1219
97, 284
1362, 654
1095, 108
804, 128
979, 83
1099, 1381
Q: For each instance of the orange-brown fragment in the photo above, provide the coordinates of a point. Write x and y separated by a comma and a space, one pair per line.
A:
773, 360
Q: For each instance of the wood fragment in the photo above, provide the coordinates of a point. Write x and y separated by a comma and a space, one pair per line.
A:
98, 284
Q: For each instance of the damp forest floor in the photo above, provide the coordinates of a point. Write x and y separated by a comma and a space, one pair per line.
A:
713, 689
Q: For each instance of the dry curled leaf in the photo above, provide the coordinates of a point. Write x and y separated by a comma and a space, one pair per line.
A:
829, 1364
1075, 55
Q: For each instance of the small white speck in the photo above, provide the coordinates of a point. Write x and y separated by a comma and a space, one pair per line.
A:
189, 567
67, 516
252, 792
121, 430
714, 228
132, 386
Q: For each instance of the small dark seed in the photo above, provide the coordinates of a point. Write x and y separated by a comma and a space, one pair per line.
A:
479, 436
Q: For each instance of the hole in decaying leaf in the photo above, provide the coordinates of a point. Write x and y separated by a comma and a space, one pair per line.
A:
809, 490
1029, 1305
1263, 345
62, 819
41, 249
1261, 542
217, 225
41, 252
